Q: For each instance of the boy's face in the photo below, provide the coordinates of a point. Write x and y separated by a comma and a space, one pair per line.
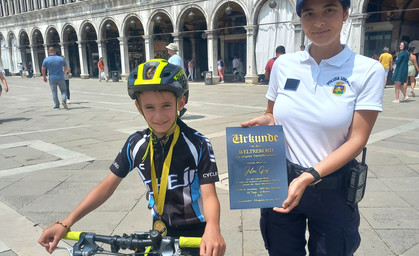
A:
159, 109
322, 21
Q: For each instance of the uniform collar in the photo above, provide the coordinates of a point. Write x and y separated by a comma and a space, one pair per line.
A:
337, 60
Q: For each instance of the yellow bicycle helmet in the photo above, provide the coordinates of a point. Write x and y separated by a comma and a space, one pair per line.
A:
157, 75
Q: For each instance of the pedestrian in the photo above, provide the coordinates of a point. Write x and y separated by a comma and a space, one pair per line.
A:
56, 66
3, 79
386, 59
412, 69
183, 199
401, 72
240, 76
191, 66
327, 99
280, 50
67, 83
220, 68
20, 68
302, 47
175, 59
101, 69
30, 70
235, 64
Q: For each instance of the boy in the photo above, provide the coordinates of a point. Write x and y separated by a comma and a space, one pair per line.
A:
169, 153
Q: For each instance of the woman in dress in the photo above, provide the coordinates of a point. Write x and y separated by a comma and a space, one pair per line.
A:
400, 73
412, 69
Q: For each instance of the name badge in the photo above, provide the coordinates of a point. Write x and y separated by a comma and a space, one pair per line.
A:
291, 84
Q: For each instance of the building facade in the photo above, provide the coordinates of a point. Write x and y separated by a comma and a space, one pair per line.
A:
128, 32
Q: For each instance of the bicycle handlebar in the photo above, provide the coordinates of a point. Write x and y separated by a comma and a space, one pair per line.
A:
159, 245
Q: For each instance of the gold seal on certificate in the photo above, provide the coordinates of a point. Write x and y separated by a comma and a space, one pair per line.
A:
161, 227
257, 169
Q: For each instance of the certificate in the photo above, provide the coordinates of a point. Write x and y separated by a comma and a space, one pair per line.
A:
257, 168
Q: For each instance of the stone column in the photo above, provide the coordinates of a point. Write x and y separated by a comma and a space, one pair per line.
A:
357, 34
177, 39
124, 58
64, 51
46, 50
251, 73
35, 61
149, 47
83, 60
298, 35
43, 4
212, 54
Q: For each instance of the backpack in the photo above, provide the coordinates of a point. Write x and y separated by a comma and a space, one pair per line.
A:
221, 63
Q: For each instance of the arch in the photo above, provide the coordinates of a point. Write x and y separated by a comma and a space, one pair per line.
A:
220, 8
185, 11
66, 32
151, 21
125, 23
103, 28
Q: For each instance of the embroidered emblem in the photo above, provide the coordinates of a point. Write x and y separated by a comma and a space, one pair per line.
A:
339, 88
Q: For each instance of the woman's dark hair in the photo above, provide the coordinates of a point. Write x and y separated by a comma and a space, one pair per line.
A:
405, 45
411, 49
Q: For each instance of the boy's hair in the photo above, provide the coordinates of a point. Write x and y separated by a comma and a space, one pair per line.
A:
166, 77
299, 5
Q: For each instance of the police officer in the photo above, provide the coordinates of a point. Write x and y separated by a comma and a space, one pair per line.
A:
327, 99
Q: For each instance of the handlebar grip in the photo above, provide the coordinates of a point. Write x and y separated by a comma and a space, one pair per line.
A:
189, 242
72, 235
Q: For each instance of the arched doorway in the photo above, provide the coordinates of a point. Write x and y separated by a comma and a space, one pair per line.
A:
25, 50
113, 52
90, 49
162, 28
53, 39
229, 25
71, 50
134, 32
194, 40
38, 51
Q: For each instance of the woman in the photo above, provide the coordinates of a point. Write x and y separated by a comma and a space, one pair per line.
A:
412, 68
3, 79
327, 99
400, 73
221, 69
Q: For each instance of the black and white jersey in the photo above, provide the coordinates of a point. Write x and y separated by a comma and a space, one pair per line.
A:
193, 163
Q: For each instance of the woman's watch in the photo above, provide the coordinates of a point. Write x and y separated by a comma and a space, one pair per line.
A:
315, 174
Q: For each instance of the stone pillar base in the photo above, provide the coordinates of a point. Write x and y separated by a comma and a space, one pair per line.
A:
124, 77
84, 76
251, 79
36, 74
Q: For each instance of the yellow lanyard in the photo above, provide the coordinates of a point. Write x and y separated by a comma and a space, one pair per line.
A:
160, 197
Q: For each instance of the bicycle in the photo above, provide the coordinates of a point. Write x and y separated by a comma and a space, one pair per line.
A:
141, 243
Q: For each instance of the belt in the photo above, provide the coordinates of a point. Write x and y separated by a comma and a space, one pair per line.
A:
335, 180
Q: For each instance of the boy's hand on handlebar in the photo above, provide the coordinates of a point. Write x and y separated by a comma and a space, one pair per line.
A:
212, 243
51, 236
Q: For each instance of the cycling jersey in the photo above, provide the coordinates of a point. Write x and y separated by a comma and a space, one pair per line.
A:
193, 163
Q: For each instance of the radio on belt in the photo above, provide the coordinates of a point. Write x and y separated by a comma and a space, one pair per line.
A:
357, 181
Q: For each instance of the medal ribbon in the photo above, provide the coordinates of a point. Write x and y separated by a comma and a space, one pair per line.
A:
160, 196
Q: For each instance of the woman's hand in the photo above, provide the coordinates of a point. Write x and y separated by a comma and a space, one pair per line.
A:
258, 121
295, 192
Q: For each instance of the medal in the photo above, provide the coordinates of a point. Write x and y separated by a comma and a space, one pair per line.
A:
161, 227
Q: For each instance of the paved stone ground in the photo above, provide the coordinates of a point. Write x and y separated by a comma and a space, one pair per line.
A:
50, 159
